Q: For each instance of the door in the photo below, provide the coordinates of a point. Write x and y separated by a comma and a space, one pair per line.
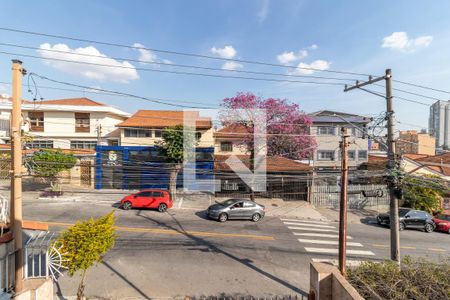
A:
410, 219
143, 199
248, 210
236, 210
421, 219
85, 170
157, 198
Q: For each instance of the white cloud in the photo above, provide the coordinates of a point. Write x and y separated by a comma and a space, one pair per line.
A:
303, 68
286, 58
231, 65
313, 47
225, 52
401, 41
121, 72
166, 61
264, 11
144, 54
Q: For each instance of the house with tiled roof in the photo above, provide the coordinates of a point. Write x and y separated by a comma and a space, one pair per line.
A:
74, 123
437, 165
144, 128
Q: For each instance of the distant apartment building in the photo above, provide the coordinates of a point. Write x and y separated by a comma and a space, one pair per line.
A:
75, 123
413, 142
326, 127
144, 128
439, 124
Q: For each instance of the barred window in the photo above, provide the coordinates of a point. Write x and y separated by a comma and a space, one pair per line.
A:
325, 155
326, 130
83, 144
82, 122
226, 146
36, 120
40, 144
137, 133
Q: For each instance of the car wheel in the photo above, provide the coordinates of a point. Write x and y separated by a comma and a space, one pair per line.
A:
256, 217
223, 217
162, 207
127, 205
429, 228
401, 226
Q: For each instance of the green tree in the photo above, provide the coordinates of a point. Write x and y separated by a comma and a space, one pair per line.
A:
424, 192
49, 163
84, 245
172, 148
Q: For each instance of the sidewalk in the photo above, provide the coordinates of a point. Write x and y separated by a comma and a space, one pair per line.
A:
354, 216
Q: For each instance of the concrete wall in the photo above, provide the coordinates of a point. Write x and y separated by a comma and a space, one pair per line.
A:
326, 283
36, 289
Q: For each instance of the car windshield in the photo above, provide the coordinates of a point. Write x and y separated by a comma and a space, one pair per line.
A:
443, 217
228, 202
403, 212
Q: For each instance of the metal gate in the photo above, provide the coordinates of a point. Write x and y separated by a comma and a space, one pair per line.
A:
85, 172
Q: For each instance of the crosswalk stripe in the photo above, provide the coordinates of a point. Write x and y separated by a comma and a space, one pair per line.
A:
304, 221
335, 251
311, 225
307, 241
335, 262
320, 235
312, 229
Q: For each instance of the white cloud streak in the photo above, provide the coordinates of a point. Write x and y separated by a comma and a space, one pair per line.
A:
231, 65
227, 52
264, 11
317, 65
145, 55
122, 72
401, 41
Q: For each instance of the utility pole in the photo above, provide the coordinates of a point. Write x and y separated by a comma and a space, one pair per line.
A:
99, 134
343, 202
393, 204
16, 165
391, 166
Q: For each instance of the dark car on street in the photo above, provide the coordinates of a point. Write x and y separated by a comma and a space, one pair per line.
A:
410, 218
442, 222
233, 209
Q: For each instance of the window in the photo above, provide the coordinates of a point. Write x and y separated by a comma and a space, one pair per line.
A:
325, 155
36, 144
144, 194
83, 144
326, 130
351, 155
137, 133
113, 142
362, 154
82, 122
36, 120
249, 204
158, 133
198, 135
157, 194
226, 146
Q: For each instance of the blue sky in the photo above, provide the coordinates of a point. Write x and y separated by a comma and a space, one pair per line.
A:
335, 35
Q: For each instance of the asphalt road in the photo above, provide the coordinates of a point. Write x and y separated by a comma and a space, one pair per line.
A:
181, 253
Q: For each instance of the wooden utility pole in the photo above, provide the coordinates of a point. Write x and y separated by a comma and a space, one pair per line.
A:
391, 166
16, 165
393, 203
343, 202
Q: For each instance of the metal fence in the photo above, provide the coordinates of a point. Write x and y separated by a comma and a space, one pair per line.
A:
329, 196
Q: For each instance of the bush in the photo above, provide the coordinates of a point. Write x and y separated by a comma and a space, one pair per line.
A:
416, 279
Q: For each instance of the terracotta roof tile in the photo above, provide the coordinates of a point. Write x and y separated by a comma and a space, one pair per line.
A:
231, 131
163, 118
69, 101
273, 164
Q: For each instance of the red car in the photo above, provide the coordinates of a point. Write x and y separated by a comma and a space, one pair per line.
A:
442, 222
159, 199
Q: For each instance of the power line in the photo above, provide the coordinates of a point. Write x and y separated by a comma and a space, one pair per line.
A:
174, 52
412, 93
173, 72
422, 86
179, 65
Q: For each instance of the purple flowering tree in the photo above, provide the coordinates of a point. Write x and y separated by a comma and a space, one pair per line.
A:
287, 127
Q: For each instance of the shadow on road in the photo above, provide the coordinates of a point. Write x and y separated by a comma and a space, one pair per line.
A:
213, 248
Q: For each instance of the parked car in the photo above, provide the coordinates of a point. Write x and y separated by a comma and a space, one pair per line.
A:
236, 209
442, 222
410, 218
158, 199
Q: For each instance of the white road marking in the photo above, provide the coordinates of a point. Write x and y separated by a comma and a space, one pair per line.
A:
351, 263
180, 202
312, 229
335, 251
304, 221
307, 241
311, 225
320, 235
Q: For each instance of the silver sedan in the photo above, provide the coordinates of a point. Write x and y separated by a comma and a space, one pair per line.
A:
236, 209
